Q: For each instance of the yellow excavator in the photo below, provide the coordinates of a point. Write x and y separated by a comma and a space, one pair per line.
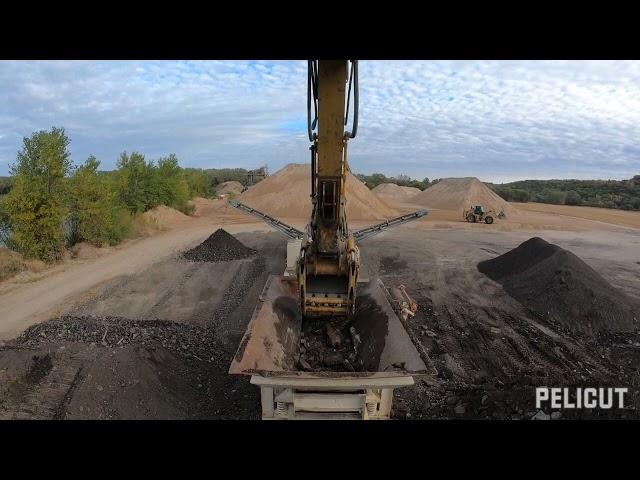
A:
320, 284
329, 257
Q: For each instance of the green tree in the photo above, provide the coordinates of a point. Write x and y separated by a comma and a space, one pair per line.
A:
93, 205
36, 206
5, 185
171, 184
134, 182
198, 182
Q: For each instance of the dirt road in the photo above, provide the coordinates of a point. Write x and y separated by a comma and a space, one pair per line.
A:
27, 304
605, 215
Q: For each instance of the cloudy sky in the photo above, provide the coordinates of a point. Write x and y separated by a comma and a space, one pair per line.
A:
497, 120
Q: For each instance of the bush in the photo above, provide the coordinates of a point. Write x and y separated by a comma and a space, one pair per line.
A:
573, 198
10, 263
123, 225
556, 197
198, 183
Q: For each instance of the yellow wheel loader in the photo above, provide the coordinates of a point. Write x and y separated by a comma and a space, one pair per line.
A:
478, 214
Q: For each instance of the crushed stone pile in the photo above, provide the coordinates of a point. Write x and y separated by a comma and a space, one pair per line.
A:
562, 288
226, 188
328, 345
390, 192
115, 331
287, 192
461, 193
219, 247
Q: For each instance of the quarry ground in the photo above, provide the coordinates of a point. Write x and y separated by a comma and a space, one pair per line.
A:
143, 334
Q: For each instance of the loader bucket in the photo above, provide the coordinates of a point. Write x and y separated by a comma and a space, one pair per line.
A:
271, 344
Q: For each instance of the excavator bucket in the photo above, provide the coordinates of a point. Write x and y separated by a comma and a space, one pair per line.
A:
271, 344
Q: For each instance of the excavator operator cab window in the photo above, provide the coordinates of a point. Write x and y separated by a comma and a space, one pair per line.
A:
477, 210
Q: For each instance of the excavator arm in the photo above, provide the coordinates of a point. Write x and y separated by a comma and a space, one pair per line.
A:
329, 259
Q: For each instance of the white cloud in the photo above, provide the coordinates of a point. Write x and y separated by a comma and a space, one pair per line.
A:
494, 119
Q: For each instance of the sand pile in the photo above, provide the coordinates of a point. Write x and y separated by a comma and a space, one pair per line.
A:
219, 247
390, 192
163, 217
206, 207
461, 193
226, 188
287, 194
559, 286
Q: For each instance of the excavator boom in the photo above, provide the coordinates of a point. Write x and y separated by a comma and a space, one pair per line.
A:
329, 258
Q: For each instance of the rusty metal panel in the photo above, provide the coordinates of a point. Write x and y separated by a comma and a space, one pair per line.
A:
271, 344
272, 339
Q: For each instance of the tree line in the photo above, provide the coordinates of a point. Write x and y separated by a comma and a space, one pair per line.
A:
52, 204
618, 194
376, 179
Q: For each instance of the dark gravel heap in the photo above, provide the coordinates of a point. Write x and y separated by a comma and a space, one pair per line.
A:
187, 340
219, 247
560, 287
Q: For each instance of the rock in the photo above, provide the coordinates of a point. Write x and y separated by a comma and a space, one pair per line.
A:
556, 415
355, 338
333, 360
333, 337
304, 364
460, 410
484, 400
451, 400
540, 416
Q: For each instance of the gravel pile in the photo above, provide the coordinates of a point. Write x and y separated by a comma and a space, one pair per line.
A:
219, 247
113, 332
560, 287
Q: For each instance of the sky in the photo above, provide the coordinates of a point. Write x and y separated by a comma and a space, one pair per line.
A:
497, 120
